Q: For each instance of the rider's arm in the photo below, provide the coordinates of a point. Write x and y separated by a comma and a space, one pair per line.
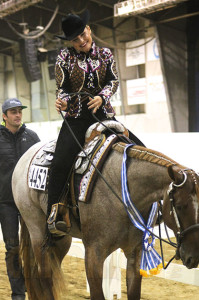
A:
62, 77
111, 81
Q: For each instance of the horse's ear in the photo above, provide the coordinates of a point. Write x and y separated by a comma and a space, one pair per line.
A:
174, 174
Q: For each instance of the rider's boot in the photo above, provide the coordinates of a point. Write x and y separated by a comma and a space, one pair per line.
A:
58, 220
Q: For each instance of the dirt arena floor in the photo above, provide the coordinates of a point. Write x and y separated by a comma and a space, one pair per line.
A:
153, 288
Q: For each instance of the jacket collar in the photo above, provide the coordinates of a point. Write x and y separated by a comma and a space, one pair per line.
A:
3, 127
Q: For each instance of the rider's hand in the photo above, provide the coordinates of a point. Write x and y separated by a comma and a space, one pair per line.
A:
60, 105
94, 103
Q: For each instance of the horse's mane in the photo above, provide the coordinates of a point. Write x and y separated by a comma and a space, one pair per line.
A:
146, 154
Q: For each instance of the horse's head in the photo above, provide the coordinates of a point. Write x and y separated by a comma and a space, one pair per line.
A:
180, 213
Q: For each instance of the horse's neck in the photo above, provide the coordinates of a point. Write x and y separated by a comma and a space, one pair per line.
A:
147, 182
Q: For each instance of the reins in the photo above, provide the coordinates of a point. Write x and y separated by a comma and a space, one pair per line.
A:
82, 149
104, 179
161, 240
101, 122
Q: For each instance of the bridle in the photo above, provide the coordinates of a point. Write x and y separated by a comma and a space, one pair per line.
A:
172, 187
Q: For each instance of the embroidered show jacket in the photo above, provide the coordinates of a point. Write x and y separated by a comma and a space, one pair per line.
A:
94, 73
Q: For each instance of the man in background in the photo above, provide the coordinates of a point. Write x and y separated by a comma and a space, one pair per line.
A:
15, 140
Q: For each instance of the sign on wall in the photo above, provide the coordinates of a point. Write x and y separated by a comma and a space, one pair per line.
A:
136, 91
144, 90
137, 52
135, 55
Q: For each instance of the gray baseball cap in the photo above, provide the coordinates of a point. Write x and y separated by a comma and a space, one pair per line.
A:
11, 103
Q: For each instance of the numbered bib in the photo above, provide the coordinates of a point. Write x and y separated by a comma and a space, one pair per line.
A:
37, 177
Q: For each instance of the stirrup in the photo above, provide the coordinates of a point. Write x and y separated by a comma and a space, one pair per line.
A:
59, 228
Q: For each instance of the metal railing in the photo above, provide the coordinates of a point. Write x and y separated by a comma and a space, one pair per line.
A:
11, 6
133, 7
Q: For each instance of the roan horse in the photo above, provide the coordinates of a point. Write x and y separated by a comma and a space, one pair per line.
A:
105, 225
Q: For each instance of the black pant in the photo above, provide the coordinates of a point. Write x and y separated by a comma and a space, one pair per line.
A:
9, 219
65, 154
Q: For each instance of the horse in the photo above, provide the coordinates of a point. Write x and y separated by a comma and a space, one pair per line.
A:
105, 224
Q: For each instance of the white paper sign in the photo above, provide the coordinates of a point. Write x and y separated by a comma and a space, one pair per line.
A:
135, 56
136, 91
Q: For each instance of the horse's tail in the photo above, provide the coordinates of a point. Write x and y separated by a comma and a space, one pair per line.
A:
28, 263
38, 284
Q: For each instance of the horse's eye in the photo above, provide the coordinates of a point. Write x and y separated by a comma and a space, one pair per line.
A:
181, 207
178, 207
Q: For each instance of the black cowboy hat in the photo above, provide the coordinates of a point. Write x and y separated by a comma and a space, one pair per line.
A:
73, 25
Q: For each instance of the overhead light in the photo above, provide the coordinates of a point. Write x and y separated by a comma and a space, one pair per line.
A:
25, 28
39, 27
133, 7
42, 54
40, 49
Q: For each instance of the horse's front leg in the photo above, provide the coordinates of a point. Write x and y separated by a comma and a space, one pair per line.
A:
94, 261
133, 277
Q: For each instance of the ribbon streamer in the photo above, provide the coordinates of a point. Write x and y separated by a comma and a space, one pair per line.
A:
151, 261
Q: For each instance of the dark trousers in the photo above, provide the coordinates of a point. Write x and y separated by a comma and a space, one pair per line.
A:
65, 154
9, 219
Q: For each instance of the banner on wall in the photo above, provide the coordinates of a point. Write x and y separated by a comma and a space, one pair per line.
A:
136, 91
135, 55
137, 52
141, 90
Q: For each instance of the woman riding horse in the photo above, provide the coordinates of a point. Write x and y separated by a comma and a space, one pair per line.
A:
87, 68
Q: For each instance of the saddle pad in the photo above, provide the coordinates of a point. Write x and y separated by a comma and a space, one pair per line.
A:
88, 180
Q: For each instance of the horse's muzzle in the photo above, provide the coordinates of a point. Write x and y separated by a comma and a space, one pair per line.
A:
189, 259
